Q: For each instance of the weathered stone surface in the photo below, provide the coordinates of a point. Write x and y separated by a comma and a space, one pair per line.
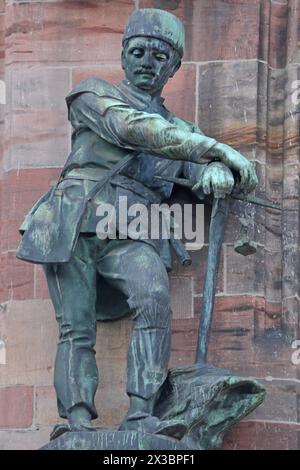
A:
267, 316
31, 355
111, 73
16, 407
290, 275
211, 32
256, 214
291, 309
19, 280
227, 102
2, 43
244, 274
45, 406
281, 402
24, 440
43, 35
291, 116
66, 32
181, 289
111, 399
251, 435
290, 204
273, 275
232, 332
197, 270
184, 337
21, 189
293, 53
40, 284
276, 79
264, 25
270, 138
245, 338
38, 133
30, 332
3, 288
262, 111
180, 93
253, 331
111, 356
33, 88
113, 339
278, 31
2, 85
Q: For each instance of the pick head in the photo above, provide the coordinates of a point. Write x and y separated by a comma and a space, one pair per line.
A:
245, 247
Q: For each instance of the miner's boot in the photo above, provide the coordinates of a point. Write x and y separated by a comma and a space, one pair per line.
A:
140, 418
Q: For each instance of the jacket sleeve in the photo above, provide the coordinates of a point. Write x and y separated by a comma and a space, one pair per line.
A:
193, 171
118, 123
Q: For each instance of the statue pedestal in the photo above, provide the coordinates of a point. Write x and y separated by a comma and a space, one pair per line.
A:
113, 440
206, 400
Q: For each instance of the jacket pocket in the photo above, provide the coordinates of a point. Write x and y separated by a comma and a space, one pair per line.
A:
53, 229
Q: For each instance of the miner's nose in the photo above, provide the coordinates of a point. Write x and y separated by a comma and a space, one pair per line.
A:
147, 60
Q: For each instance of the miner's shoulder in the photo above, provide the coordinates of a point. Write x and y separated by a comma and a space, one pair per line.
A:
93, 85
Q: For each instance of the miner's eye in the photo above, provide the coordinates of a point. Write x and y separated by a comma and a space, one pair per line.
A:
137, 52
161, 56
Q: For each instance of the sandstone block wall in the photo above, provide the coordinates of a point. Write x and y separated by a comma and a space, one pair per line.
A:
239, 73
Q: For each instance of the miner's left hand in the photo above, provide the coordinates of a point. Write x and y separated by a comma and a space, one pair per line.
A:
217, 178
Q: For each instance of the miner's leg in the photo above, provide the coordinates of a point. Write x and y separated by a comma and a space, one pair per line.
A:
72, 287
136, 269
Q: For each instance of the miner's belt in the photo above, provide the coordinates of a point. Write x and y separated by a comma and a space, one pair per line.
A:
91, 174
137, 187
94, 174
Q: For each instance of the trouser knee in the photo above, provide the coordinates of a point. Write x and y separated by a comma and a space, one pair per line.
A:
82, 337
152, 308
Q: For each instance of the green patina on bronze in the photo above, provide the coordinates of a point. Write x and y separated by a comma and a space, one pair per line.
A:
155, 23
123, 138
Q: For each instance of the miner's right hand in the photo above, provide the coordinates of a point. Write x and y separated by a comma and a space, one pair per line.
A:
236, 161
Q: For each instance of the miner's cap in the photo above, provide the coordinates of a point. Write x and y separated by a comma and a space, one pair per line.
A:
155, 23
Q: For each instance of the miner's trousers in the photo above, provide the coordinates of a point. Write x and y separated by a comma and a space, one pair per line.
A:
135, 269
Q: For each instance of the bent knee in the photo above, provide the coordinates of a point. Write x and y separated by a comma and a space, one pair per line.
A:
160, 295
151, 295
152, 308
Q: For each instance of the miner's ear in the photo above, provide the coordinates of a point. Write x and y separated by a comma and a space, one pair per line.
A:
176, 68
123, 59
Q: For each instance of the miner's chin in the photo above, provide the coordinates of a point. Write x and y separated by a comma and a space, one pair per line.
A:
145, 81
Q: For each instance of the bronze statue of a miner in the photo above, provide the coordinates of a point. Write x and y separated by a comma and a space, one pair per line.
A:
123, 137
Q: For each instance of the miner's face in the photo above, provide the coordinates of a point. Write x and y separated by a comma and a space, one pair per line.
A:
149, 63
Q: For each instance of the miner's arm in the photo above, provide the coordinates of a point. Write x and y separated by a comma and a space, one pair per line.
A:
122, 125
119, 124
